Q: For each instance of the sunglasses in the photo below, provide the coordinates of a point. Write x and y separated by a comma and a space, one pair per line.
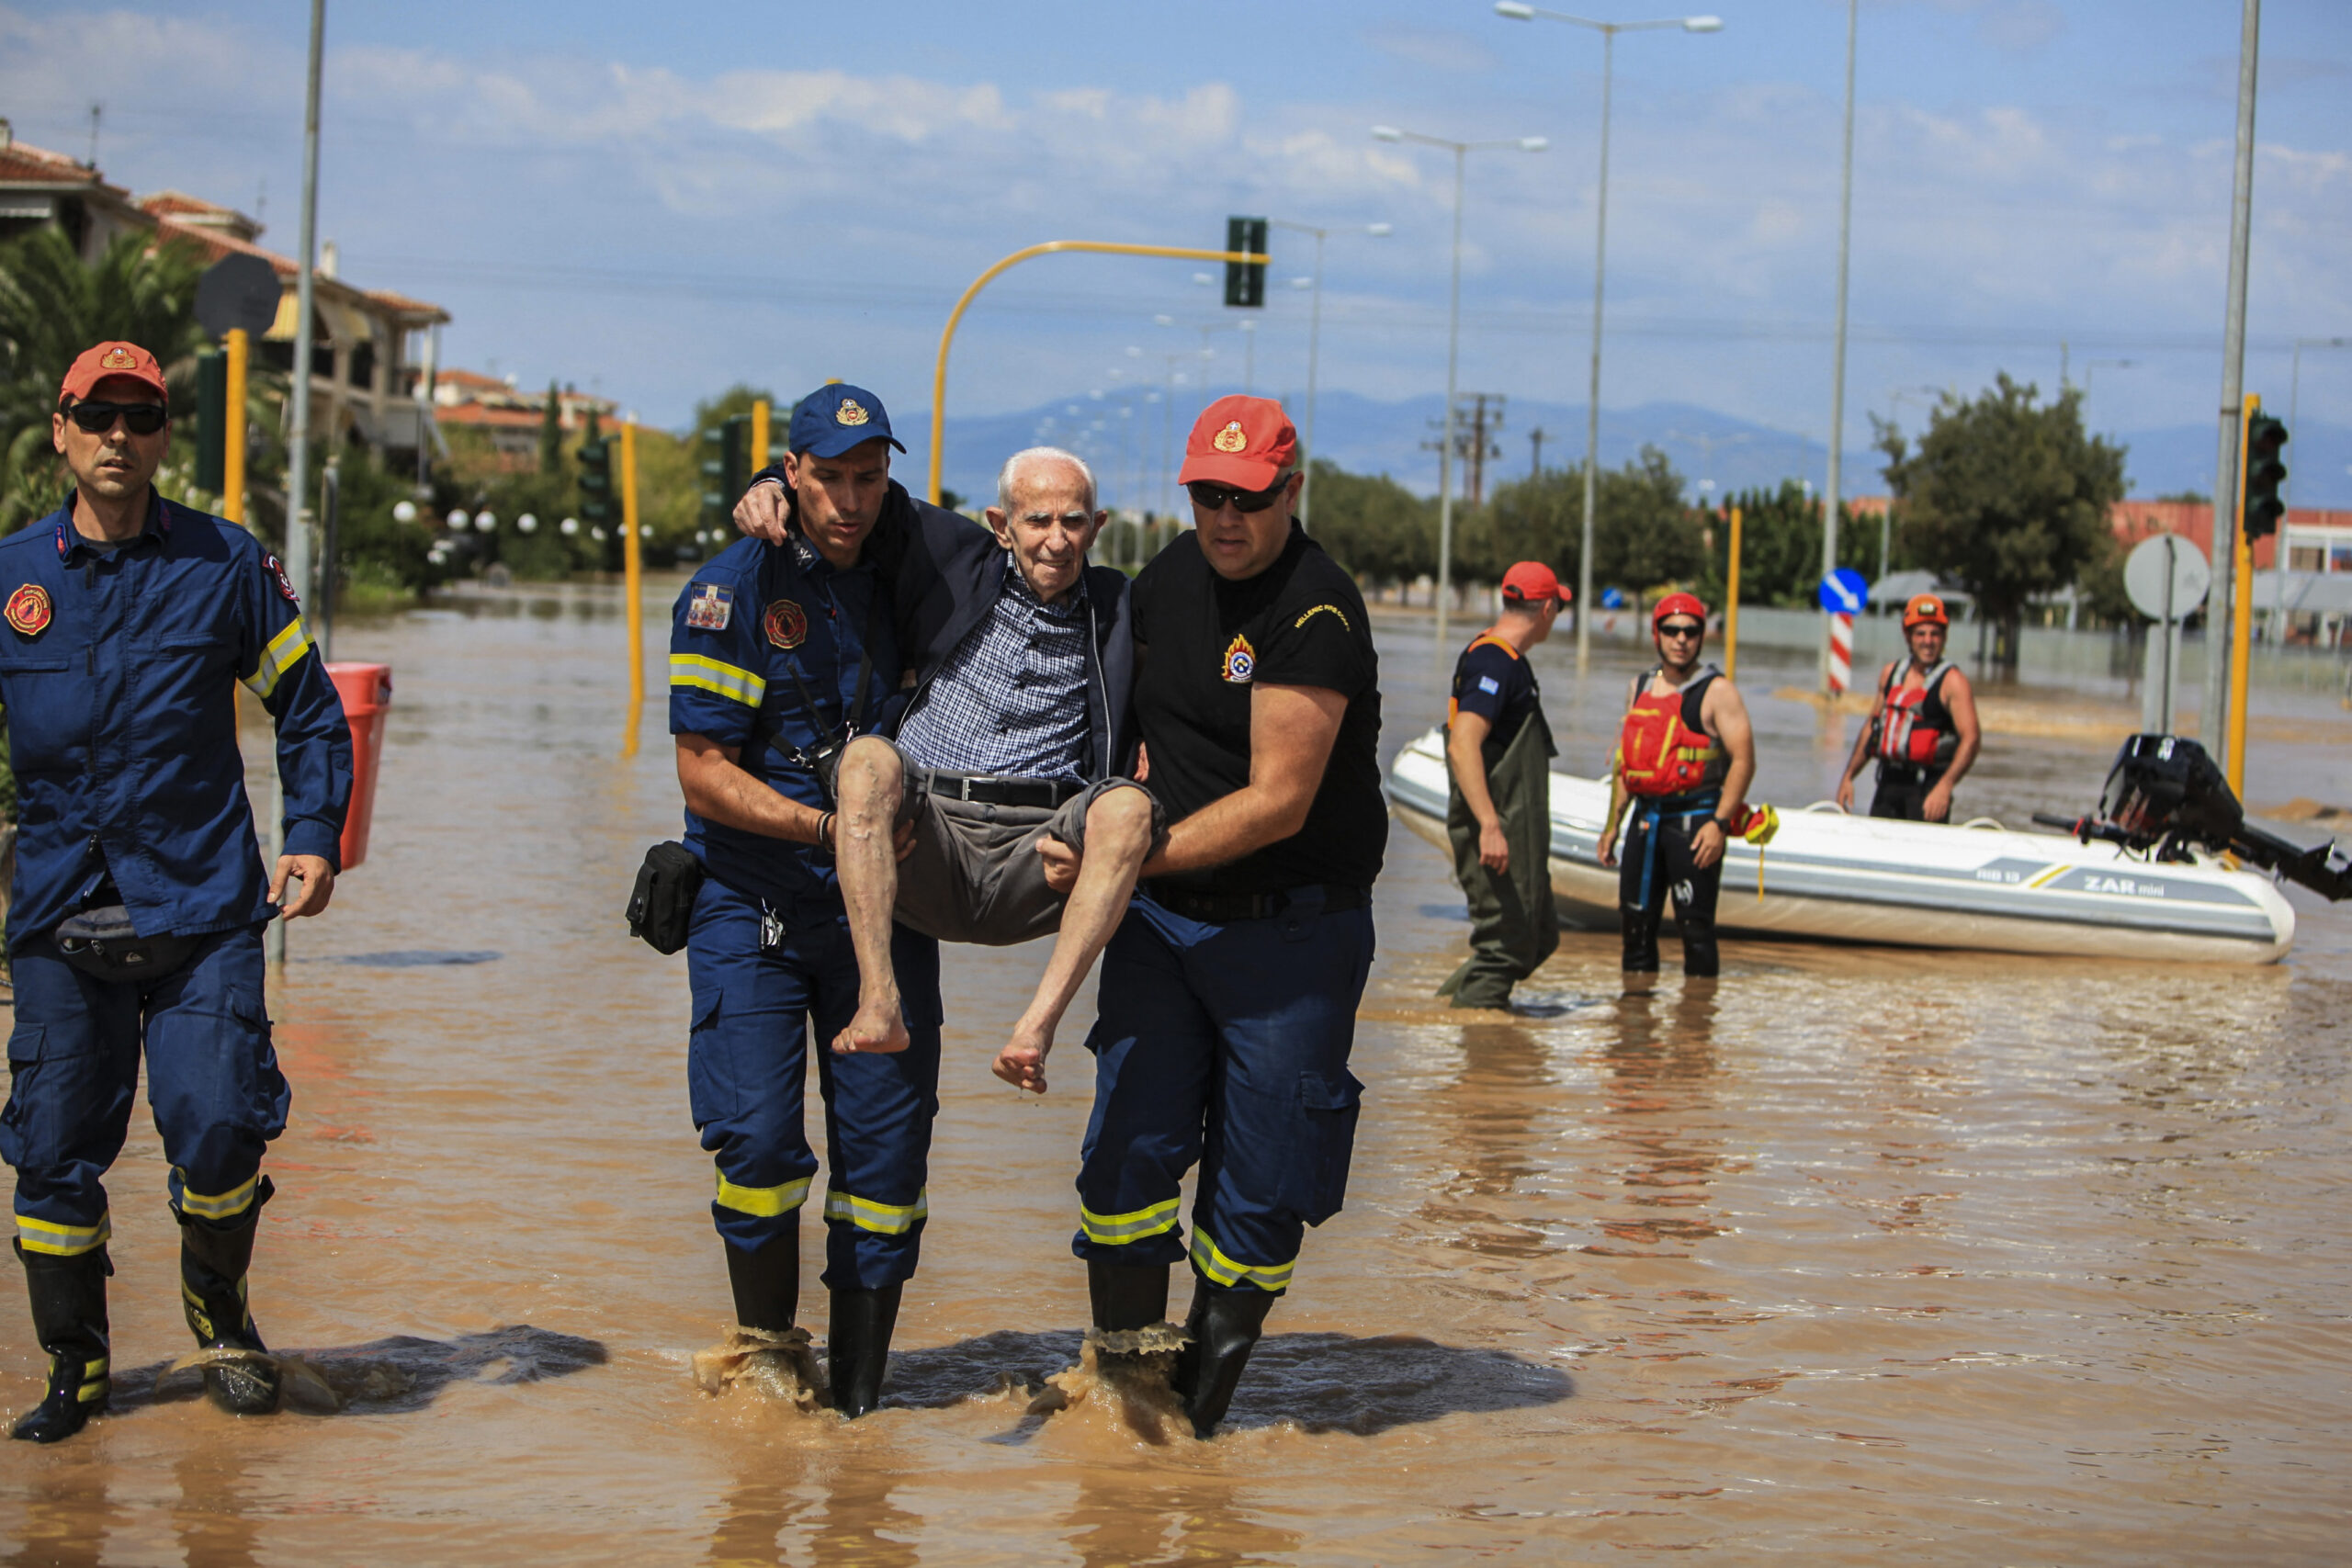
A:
1212, 497
1681, 628
98, 418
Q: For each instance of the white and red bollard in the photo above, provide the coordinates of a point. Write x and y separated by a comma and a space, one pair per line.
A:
1841, 652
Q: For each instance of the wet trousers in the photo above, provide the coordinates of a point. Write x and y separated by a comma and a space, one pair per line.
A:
1902, 791
755, 1008
1223, 1044
1514, 925
1658, 862
212, 1083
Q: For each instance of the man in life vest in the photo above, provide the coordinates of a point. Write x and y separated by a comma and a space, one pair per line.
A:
1684, 759
1923, 728
1498, 754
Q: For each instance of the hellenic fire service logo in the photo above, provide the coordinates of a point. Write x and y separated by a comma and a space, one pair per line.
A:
852, 411
28, 609
285, 583
1240, 660
785, 624
119, 358
1230, 439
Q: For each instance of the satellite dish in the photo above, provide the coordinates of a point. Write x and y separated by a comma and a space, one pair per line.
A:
237, 292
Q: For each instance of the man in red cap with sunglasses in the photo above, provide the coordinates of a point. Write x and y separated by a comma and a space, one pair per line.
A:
1923, 728
1498, 751
1228, 994
139, 898
1685, 757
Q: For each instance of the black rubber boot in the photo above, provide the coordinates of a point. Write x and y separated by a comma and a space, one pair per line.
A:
857, 1346
213, 1263
1225, 1326
766, 1282
1126, 1295
69, 1302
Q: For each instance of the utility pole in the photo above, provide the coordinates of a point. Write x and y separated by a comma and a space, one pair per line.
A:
1837, 360
1536, 437
2214, 720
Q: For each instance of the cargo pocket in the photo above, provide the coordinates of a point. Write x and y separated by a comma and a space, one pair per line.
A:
710, 1065
269, 1096
1327, 1111
16, 1118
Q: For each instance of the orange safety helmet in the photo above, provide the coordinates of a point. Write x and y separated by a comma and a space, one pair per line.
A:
1925, 610
1677, 604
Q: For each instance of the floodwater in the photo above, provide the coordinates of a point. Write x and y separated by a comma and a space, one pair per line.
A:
1852, 1255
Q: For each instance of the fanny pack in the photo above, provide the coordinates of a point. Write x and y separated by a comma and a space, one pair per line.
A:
661, 905
101, 943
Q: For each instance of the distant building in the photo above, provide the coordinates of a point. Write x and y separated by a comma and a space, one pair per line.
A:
370, 347
2315, 538
511, 415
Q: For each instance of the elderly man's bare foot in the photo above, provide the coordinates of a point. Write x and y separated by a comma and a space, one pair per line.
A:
877, 1029
1022, 1063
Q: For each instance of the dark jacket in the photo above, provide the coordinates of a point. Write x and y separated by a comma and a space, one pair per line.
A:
946, 574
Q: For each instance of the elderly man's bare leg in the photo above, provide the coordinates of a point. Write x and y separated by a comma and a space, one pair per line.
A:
868, 791
1118, 837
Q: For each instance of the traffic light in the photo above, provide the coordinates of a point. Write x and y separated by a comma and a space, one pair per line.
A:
597, 507
2264, 476
727, 473
1245, 282
212, 420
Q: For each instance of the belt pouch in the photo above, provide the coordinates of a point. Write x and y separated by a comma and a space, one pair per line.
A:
102, 942
661, 905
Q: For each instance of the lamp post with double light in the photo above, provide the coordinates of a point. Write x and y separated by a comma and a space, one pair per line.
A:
1314, 344
1513, 11
1460, 150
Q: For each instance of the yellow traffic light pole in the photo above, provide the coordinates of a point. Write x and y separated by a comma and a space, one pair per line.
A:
2240, 607
759, 454
1094, 247
632, 584
1731, 603
232, 429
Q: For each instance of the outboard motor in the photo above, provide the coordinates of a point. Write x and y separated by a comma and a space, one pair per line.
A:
2166, 797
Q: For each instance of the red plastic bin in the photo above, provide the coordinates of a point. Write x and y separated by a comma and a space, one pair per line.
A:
366, 693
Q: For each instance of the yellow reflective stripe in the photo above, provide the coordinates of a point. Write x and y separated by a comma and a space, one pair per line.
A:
94, 1384
763, 1202
1117, 1230
62, 1241
882, 1219
711, 675
1219, 1269
285, 651
221, 1206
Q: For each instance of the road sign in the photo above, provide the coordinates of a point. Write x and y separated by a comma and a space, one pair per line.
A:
1613, 598
238, 291
2167, 577
1843, 592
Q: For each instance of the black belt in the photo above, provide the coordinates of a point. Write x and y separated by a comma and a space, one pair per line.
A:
1910, 773
1223, 908
987, 789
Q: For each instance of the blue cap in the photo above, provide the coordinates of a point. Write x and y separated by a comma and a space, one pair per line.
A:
832, 419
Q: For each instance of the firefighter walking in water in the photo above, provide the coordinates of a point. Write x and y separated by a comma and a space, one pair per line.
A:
1684, 759
1923, 728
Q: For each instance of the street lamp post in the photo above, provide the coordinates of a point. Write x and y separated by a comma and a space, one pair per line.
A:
1314, 345
1516, 12
1460, 150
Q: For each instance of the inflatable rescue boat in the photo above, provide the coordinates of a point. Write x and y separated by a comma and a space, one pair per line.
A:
1829, 876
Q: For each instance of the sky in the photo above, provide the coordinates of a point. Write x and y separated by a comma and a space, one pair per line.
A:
657, 202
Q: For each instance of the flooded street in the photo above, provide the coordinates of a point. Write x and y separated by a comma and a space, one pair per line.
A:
1849, 1255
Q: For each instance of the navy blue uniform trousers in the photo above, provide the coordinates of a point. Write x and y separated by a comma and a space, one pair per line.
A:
212, 1082
747, 1072
1225, 1045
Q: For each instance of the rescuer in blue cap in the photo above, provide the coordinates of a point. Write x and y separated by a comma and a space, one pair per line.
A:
779, 652
137, 911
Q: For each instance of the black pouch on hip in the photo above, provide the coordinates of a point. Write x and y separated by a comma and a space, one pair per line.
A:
101, 943
661, 905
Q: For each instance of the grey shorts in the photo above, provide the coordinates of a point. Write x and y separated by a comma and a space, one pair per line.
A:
975, 873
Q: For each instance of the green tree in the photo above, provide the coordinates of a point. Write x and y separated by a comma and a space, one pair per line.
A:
1373, 525
551, 432
2006, 495
1643, 534
1780, 547
53, 306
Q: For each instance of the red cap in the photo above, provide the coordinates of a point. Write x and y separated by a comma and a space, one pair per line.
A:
109, 359
1679, 605
1246, 442
1532, 582
1925, 610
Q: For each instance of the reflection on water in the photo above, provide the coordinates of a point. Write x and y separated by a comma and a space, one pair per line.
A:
1852, 1253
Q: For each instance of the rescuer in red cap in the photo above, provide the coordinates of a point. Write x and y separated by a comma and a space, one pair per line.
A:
1923, 728
1499, 810
1684, 759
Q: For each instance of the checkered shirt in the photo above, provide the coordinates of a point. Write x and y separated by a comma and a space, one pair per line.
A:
1010, 700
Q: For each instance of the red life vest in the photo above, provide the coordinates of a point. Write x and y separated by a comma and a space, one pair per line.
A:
1913, 725
1662, 750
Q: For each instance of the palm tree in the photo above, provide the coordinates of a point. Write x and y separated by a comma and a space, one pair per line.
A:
53, 306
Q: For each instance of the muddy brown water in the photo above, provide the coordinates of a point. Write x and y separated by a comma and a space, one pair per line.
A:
1854, 1254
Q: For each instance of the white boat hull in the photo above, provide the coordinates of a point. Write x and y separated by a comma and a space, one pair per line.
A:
1828, 876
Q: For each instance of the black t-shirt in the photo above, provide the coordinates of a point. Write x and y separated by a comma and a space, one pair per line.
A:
1496, 681
1205, 641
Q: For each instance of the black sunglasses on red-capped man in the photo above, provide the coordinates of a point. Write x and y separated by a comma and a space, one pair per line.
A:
1210, 496
1681, 628
97, 418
